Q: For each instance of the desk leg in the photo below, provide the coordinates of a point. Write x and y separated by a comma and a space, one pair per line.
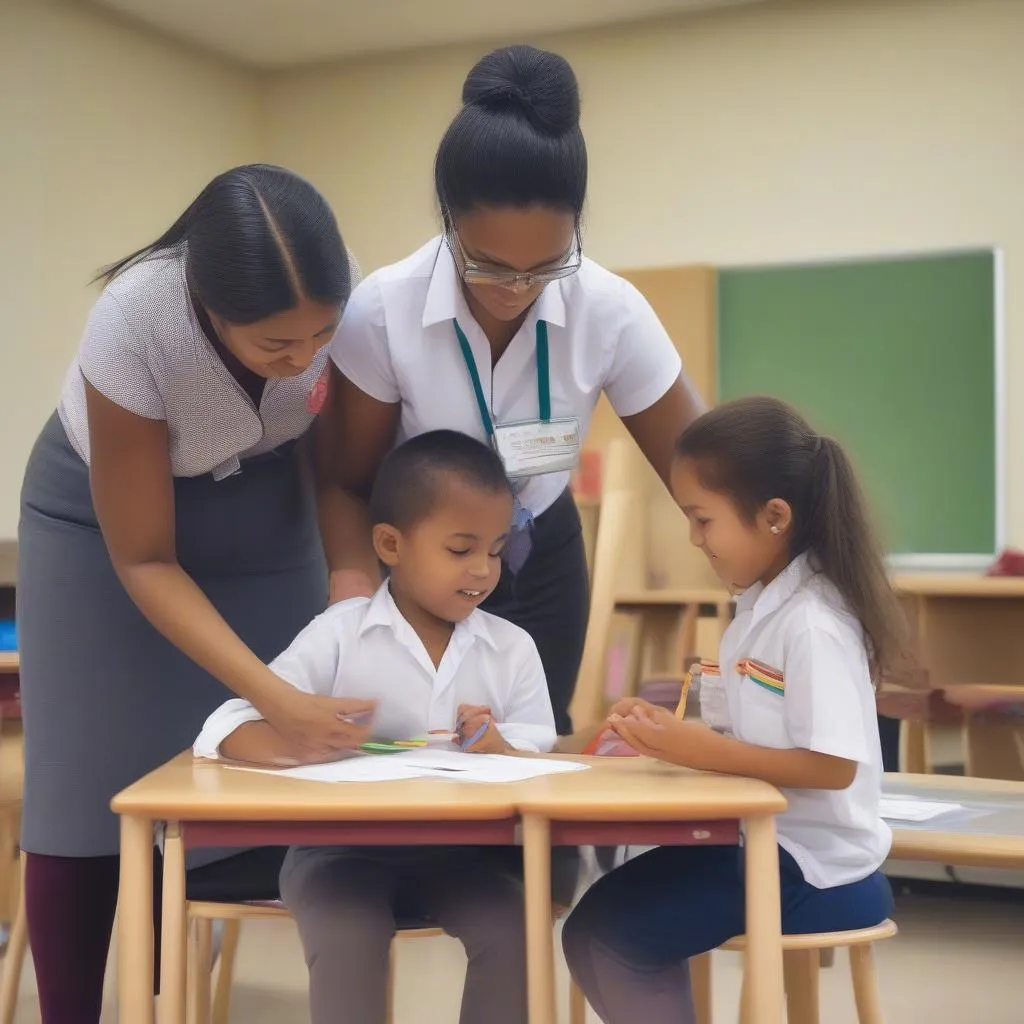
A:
540, 948
135, 927
172, 945
763, 967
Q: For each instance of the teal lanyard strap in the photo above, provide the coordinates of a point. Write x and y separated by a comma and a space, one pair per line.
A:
474, 373
543, 376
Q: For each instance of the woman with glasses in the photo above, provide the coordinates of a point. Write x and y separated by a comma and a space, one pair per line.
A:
503, 329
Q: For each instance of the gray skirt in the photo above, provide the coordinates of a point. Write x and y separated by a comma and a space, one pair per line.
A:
105, 698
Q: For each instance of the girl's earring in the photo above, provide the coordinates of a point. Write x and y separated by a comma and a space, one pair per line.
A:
775, 529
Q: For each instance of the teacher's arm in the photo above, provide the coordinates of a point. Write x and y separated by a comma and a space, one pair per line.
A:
133, 493
647, 384
658, 427
352, 435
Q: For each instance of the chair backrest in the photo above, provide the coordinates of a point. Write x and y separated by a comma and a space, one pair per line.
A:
641, 538
616, 565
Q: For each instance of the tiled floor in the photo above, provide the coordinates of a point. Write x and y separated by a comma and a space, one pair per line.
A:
955, 962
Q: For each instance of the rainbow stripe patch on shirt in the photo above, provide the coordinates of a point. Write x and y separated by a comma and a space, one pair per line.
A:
764, 675
709, 668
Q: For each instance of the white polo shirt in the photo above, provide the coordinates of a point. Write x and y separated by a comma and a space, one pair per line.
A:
363, 648
397, 343
795, 671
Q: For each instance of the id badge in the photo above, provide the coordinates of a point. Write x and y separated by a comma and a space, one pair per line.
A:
535, 447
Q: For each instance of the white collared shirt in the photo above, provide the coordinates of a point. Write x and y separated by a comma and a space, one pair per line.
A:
795, 670
365, 649
397, 343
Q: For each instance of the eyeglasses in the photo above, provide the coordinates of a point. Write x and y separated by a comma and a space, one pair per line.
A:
514, 280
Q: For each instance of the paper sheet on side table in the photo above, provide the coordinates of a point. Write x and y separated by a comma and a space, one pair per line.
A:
903, 808
425, 763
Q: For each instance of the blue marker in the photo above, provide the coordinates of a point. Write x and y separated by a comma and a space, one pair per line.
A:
476, 736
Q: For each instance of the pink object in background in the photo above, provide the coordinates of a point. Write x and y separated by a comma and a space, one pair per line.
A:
1009, 563
610, 744
586, 479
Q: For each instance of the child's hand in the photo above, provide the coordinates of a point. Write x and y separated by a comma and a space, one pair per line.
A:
625, 706
471, 719
655, 732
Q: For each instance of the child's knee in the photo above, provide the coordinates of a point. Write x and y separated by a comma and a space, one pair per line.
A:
495, 923
575, 940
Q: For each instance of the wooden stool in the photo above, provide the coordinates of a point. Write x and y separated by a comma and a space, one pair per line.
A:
200, 930
14, 960
802, 960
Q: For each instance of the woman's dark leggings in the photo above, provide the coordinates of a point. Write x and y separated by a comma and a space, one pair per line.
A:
70, 903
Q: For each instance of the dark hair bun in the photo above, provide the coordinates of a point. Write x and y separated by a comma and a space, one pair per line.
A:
527, 82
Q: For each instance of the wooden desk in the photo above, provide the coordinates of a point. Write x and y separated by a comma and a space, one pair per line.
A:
647, 802
993, 840
617, 800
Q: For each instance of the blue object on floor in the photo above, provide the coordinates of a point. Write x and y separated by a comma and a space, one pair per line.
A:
8, 635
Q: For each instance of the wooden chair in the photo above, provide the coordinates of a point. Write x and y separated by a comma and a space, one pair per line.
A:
801, 963
14, 961
11, 865
638, 526
204, 1010
993, 721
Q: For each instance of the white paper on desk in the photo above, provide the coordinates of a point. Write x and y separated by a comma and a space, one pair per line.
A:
460, 767
352, 769
426, 763
904, 808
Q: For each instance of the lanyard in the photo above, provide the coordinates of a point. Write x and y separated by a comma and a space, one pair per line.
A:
543, 380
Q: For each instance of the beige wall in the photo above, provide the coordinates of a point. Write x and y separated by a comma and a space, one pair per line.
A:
786, 131
106, 132
775, 132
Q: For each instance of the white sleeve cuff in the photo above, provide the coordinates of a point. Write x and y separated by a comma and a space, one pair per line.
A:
221, 724
534, 739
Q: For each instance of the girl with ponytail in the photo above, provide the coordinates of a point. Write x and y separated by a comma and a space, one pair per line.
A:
778, 511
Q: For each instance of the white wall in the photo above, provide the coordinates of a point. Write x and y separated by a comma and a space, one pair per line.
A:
106, 133
783, 131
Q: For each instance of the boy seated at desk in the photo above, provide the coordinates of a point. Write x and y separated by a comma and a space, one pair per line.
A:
420, 656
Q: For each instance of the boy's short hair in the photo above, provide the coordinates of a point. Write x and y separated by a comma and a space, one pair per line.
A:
410, 481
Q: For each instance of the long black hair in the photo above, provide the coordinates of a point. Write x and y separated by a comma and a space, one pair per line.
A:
517, 139
256, 240
756, 449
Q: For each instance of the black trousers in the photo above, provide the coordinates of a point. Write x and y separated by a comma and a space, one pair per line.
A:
550, 598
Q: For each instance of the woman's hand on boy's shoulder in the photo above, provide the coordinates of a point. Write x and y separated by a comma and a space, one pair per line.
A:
348, 583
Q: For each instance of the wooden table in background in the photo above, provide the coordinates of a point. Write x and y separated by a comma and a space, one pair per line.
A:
616, 801
992, 838
967, 629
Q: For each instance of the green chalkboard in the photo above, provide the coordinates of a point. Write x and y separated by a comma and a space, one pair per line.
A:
897, 359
